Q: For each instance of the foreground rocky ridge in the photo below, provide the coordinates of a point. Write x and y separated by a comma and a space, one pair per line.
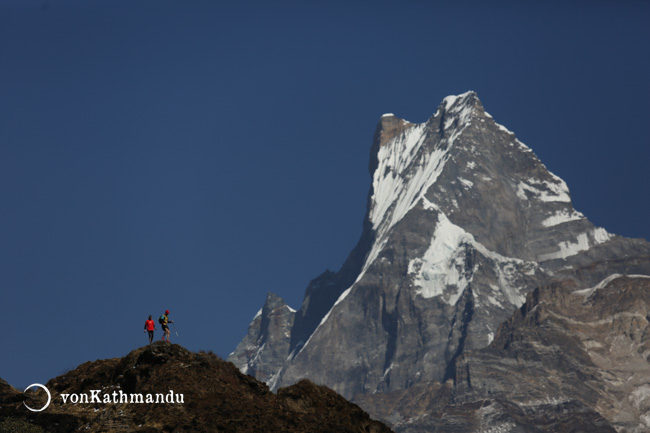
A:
217, 398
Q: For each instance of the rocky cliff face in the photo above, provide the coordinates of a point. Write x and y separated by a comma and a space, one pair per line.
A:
570, 359
570, 346
216, 398
268, 339
463, 222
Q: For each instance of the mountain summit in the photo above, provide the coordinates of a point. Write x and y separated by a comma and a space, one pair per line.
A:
463, 221
165, 388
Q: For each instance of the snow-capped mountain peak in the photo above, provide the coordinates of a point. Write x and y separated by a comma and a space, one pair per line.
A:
406, 166
463, 221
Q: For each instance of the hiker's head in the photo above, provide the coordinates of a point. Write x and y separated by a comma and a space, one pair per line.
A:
166, 311
149, 317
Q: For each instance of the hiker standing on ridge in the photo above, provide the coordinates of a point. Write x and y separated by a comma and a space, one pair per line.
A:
150, 326
163, 321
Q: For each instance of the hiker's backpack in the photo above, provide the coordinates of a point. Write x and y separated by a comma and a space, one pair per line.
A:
161, 320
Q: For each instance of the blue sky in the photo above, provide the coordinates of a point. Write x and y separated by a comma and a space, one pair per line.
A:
195, 155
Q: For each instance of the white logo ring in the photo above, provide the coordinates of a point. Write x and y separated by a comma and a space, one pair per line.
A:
49, 397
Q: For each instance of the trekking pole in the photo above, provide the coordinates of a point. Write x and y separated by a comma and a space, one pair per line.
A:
175, 329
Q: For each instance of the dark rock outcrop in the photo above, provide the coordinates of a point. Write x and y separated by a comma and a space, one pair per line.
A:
217, 397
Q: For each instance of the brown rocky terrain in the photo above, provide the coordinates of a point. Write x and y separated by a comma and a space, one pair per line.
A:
216, 398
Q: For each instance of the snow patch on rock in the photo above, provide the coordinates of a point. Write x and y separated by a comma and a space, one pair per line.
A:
561, 217
441, 271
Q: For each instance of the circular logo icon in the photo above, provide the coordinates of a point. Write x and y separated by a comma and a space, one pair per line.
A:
49, 397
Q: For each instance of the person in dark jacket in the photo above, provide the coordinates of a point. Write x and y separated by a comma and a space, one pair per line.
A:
164, 320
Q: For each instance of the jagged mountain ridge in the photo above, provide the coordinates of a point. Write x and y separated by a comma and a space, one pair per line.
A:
463, 221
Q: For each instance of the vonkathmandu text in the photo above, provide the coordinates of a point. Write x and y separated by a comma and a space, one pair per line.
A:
120, 397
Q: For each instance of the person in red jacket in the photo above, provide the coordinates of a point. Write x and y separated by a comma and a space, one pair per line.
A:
150, 326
